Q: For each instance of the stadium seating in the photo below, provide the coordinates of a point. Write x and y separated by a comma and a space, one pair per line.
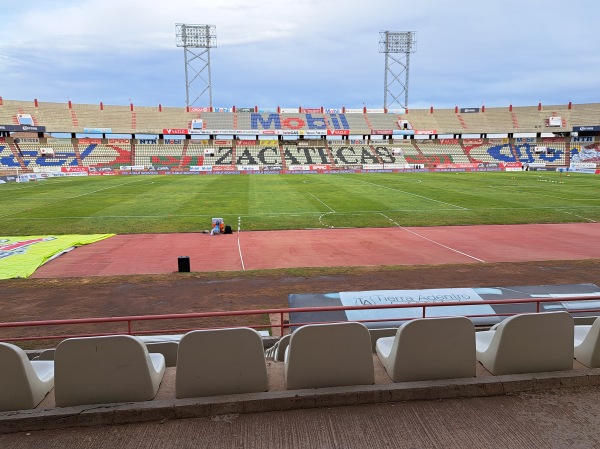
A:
305, 155
429, 349
257, 155
100, 370
149, 119
528, 343
220, 361
159, 155
277, 351
354, 154
102, 155
329, 355
587, 344
7, 159
24, 383
445, 152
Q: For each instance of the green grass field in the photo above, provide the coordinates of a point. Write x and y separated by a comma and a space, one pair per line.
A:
160, 204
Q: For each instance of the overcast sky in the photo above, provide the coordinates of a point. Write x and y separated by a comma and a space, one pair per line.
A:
306, 53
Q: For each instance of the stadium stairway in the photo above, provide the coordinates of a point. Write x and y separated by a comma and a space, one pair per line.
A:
282, 153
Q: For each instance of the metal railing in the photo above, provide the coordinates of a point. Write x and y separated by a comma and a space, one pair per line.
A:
282, 312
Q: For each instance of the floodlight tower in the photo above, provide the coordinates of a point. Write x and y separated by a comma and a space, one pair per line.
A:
196, 40
394, 43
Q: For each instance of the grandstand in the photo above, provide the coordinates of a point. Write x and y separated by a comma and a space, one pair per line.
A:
84, 136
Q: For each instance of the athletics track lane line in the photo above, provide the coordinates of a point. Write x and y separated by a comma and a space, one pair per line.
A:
432, 241
238, 243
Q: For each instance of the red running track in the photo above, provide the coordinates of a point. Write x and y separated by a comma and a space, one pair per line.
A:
158, 253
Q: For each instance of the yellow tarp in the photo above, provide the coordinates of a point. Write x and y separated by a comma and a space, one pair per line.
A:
21, 256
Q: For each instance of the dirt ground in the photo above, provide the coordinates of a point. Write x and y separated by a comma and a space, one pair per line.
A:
68, 298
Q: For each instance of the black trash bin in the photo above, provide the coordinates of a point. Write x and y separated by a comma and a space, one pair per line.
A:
183, 263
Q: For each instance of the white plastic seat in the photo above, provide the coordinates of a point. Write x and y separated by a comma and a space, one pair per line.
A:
528, 343
24, 383
167, 348
587, 344
329, 355
220, 361
430, 349
377, 334
100, 370
277, 351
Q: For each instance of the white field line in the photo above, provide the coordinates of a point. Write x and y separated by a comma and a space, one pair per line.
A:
433, 241
321, 221
266, 214
105, 188
413, 194
580, 216
239, 246
320, 201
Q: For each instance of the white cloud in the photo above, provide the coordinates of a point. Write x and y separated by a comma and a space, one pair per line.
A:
303, 51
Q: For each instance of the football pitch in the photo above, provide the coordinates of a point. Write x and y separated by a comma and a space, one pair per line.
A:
186, 203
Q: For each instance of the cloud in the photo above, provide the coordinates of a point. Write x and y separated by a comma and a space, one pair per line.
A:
307, 52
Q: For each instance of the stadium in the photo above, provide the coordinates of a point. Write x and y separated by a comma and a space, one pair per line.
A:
342, 219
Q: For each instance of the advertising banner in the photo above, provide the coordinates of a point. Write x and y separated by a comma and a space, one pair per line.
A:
415, 297
310, 110
174, 141
248, 167
180, 131
425, 131
473, 141
474, 165
354, 111
382, 132
223, 168
247, 142
299, 167
268, 143
375, 111
223, 142
525, 140
580, 129
222, 109
249, 110
582, 139
21, 256
469, 110
338, 132
97, 130
332, 111
117, 141
201, 167
89, 141
148, 141
202, 109
449, 141
289, 110
74, 169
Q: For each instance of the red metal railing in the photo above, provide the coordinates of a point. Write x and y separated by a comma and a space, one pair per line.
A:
129, 320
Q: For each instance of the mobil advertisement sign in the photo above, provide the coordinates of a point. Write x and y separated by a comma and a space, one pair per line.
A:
302, 121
